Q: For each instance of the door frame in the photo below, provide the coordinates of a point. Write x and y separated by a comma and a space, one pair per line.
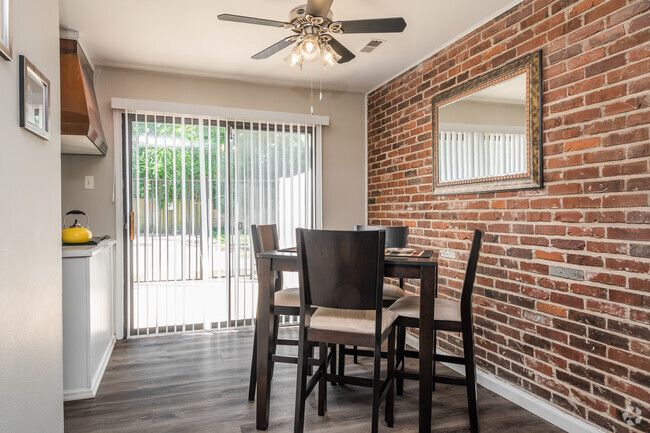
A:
123, 191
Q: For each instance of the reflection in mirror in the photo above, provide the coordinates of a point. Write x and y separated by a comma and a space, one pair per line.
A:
483, 134
487, 131
35, 100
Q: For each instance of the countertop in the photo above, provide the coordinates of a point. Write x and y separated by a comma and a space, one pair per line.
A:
75, 251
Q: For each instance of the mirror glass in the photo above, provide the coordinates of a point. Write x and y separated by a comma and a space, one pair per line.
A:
483, 134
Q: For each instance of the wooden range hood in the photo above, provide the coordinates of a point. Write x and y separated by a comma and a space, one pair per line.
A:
81, 127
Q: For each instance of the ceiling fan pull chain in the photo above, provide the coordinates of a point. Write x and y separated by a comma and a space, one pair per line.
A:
320, 75
311, 90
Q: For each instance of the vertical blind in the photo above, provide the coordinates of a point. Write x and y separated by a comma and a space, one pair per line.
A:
475, 155
196, 184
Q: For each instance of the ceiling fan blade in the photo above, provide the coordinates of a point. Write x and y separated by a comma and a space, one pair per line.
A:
380, 25
346, 55
250, 20
318, 8
278, 46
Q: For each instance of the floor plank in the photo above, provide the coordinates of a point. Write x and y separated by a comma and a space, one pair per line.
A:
199, 383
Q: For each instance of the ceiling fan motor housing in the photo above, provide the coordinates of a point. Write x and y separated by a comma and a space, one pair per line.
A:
299, 12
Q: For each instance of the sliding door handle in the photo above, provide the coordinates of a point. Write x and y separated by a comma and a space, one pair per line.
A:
131, 224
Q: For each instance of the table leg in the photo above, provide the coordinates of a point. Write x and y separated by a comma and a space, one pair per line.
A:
427, 300
264, 340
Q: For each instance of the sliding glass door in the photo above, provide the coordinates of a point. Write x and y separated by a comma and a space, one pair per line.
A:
194, 186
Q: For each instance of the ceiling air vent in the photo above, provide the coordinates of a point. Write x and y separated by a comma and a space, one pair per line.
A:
370, 46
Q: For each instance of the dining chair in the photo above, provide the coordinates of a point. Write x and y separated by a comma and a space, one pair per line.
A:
341, 275
286, 301
396, 237
448, 316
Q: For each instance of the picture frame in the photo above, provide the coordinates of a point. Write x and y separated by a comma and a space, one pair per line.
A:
34, 100
5, 29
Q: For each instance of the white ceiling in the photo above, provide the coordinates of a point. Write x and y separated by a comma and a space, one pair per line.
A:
511, 91
186, 37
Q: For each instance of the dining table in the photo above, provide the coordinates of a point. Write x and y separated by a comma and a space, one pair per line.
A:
423, 266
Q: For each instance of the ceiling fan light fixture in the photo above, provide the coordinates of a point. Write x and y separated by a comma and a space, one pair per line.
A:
329, 56
294, 58
309, 48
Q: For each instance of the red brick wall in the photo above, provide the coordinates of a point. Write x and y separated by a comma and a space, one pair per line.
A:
563, 302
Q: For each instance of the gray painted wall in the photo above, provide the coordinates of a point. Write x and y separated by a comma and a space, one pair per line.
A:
344, 149
31, 373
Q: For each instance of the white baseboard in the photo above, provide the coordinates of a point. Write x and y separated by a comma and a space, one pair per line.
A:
83, 393
77, 394
531, 403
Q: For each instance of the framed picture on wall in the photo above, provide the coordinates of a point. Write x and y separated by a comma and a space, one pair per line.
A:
34, 100
5, 29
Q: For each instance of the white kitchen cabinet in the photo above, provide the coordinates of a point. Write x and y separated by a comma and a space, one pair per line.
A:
88, 329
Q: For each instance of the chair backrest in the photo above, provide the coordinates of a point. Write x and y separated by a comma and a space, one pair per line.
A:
396, 236
341, 269
265, 238
470, 274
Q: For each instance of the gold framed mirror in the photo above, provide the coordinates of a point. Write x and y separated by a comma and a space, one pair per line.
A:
487, 132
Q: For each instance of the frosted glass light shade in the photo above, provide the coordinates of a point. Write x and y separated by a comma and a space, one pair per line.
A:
294, 58
309, 48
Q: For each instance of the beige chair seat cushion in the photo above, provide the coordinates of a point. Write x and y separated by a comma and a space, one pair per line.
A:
360, 321
409, 306
287, 297
392, 292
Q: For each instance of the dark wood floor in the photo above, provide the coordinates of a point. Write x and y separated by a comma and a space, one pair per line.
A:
199, 383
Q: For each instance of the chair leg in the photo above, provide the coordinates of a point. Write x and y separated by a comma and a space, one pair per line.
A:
310, 368
355, 359
322, 382
401, 345
376, 385
301, 383
470, 376
253, 378
435, 340
276, 325
341, 359
390, 375
333, 364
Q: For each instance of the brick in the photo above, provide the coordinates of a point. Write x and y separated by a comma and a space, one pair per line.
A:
606, 278
587, 373
571, 216
627, 265
607, 366
587, 345
568, 300
549, 255
552, 309
633, 200
632, 330
589, 290
602, 95
569, 353
584, 260
569, 273
608, 308
568, 244
585, 143
637, 234
640, 250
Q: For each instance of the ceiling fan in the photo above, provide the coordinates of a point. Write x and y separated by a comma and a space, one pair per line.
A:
313, 26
